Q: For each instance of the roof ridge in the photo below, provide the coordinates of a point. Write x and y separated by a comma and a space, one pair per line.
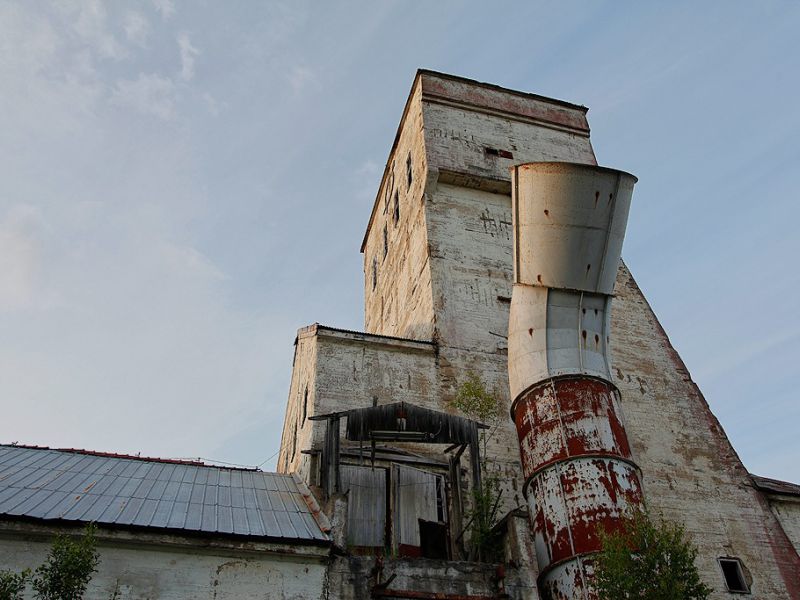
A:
151, 459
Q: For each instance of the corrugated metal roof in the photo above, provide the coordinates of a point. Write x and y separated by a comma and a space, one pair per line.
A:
49, 484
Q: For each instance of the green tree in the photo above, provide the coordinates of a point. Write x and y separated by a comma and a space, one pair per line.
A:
13, 584
476, 402
648, 560
68, 567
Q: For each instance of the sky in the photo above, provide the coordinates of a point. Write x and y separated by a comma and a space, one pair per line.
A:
185, 184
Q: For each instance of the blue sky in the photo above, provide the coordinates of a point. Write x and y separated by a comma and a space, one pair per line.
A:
183, 185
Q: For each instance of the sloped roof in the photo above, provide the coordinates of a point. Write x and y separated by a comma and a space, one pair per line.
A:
403, 417
776, 486
59, 485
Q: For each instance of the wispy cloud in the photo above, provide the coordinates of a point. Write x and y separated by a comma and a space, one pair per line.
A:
90, 23
166, 8
302, 78
137, 28
188, 55
149, 94
20, 257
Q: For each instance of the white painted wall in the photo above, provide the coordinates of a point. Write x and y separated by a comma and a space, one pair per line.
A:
136, 571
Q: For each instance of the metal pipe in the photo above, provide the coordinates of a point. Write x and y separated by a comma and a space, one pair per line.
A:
580, 479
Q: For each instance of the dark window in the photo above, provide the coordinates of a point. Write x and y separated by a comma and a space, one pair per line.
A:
374, 273
734, 576
396, 214
385, 241
500, 153
409, 171
433, 539
305, 404
387, 195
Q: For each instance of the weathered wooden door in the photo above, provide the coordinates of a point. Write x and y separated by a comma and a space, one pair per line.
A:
366, 506
419, 504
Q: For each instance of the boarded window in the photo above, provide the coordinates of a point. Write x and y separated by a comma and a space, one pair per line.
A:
366, 506
419, 496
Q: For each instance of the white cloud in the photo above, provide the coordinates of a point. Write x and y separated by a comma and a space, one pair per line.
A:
165, 7
189, 261
20, 257
214, 107
137, 28
90, 25
149, 94
188, 54
303, 78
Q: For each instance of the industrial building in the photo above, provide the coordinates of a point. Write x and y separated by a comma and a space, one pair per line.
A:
441, 260
474, 266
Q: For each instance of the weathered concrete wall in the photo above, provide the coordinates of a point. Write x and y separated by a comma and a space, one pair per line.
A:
691, 473
131, 568
302, 399
787, 511
352, 578
461, 140
397, 278
345, 370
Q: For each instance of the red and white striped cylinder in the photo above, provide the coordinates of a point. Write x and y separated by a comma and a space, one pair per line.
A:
580, 478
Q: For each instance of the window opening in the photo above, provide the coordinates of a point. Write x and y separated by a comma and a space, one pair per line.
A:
387, 196
496, 152
374, 273
409, 171
305, 404
385, 241
396, 215
734, 576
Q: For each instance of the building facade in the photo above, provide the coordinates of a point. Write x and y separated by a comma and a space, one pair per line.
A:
437, 282
379, 469
165, 529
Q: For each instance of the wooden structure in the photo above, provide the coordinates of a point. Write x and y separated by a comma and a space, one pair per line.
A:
399, 501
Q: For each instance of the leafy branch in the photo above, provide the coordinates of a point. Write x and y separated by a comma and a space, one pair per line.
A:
64, 575
476, 402
648, 560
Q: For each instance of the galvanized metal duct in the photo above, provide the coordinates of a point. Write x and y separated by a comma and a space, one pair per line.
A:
569, 225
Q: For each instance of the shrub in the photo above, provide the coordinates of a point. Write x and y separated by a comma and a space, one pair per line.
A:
473, 399
13, 584
68, 567
648, 560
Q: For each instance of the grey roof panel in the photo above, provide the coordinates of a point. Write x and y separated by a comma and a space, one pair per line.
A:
71, 485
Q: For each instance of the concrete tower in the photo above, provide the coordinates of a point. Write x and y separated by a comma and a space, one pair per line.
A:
438, 277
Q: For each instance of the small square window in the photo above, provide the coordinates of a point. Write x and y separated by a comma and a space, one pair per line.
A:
734, 575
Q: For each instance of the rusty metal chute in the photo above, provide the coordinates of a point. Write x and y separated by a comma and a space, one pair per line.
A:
580, 478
